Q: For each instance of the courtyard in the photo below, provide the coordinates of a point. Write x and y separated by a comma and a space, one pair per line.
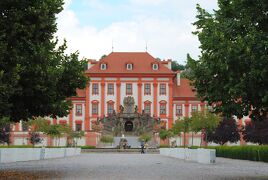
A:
133, 166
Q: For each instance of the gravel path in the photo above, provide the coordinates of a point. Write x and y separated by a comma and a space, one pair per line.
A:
133, 166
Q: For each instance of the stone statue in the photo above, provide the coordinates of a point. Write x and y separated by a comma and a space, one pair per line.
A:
136, 109
121, 109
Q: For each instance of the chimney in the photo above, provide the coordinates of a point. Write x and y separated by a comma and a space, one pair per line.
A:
169, 63
178, 78
90, 63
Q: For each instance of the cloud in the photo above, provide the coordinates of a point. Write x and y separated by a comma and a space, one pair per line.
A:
167, 36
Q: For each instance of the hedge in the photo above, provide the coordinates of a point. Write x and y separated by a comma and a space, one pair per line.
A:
253, 153
88, 147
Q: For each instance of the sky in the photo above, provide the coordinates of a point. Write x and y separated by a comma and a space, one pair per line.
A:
93, 27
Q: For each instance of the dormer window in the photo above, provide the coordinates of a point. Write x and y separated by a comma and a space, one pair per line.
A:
129, 66
155, 66
103, 66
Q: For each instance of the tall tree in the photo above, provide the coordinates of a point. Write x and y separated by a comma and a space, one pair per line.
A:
232, 70
227, 131
36, 76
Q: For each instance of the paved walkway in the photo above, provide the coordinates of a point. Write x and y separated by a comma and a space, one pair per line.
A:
133, 166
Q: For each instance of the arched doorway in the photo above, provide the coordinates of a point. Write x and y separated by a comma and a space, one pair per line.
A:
128, 126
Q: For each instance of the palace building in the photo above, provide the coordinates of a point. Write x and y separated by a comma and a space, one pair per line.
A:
127, 85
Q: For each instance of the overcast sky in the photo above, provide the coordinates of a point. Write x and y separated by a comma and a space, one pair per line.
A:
90, 26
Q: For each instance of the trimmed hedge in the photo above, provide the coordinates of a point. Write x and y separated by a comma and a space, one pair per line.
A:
253, 153
88, 147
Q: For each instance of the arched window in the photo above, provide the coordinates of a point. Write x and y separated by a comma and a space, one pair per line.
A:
103, 66
129, 66
155, 66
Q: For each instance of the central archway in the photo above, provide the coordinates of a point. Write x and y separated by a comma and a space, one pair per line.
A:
128, 126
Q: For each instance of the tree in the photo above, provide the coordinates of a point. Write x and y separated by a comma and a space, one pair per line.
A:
165, 134
182, 125
232, 71
256, 132
35, 138
227, 131
75, 135
204, 121
36, 76
5, 131
175, 66
145, 137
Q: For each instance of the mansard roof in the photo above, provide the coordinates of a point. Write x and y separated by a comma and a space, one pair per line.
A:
142, 64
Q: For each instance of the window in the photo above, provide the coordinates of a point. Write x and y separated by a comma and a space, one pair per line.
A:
155, 66
78, 109
129, 66
162, 109
103, 66
95, 88
128, 89
162, 89
147, 108
194, 108
110, 89
95, 108
78, 127
147, 89
178, 110
110, 108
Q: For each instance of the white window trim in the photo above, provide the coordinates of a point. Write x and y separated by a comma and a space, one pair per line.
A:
103, 66
129, 66
155, 66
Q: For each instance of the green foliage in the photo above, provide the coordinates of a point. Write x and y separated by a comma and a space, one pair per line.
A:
253, 153
39, 124
5, 130
36, 76
107, 139
204, 121
175, 66
182, 125
232, 70
227, 131
165, 134
145, 137
256, 132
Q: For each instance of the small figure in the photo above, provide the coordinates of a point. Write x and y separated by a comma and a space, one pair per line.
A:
142, 147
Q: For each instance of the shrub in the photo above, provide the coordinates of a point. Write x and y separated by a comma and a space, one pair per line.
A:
253, 153
107, 139
145, 137
88, 147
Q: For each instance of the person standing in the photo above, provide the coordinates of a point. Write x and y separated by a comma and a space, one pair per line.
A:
142, 147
